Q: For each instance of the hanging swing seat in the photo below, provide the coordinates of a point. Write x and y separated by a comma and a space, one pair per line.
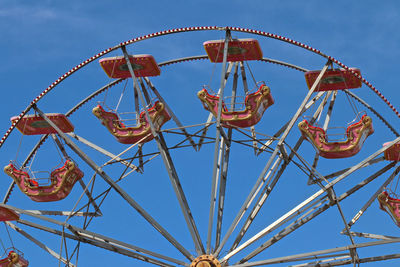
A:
393, 152
13, 260
143, 66
337, 79
356, 134
390, 205
238, 50
255, 105
8, 215
34, 124
61, 182
132, 135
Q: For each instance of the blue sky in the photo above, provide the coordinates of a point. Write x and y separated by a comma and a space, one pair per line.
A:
42, 40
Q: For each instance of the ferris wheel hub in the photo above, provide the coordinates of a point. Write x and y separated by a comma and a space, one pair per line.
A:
205, 261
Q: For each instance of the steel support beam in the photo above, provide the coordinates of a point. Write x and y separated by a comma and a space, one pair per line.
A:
305, 256
219, 132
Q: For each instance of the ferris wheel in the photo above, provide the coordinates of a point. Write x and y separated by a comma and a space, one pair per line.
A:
203, 147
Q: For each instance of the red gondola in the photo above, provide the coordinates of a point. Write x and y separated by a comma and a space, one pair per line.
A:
356, 134
255, 106
62, 181
138, 133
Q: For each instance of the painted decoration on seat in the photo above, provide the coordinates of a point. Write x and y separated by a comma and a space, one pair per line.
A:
337, 79
255, 106
238, 50
8, 215
62, 181
34, 124
13, 260
356, 135
390, 205
132, 135
143, 66
393, 152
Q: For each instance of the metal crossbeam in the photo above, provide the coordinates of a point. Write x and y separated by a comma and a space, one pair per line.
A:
64, 213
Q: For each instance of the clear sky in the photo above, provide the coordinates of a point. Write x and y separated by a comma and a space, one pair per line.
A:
42, 40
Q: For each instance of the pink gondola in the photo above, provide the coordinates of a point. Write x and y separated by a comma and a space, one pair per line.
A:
255, 106
34, 124
13, 260
337, 79
356, 135
238, 50
143, 66
62, 182
131, 135
390, 205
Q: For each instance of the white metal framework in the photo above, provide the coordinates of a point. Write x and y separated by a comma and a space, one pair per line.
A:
203, 193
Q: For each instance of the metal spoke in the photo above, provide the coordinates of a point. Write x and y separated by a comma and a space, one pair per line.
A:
224, 160
373, 236
331, 259
214, 183
305, 256
362, 260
